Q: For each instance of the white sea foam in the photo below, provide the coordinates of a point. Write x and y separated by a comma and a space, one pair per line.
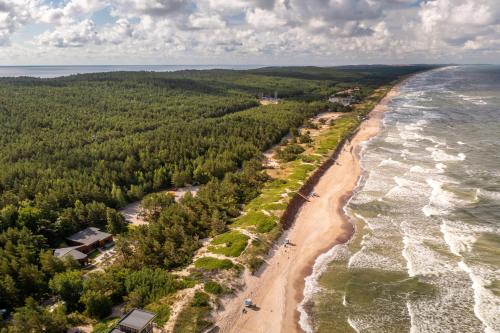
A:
486, 304
440, 167
412, 317
311, 282
403, 182
366, 258
488, 194
439, 155
391, 162
473, 99
406, 253
422, 260
413, 106
458, 237
417, 169
440, 200
353, 325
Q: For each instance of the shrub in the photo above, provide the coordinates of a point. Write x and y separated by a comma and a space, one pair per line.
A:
213, 287
104, 326
308, 159
305, 138
290, 152
200, 299
97, 305
162, 310
192, 319
254, 263
266, 226
148, 285
211, 263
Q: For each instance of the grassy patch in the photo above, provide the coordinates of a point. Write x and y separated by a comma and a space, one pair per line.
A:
104, 326
200, 299
162, 310
213, 287
261, 222
211, 263
230, 244
192, 319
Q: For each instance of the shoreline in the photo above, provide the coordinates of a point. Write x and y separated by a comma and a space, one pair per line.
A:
278, 288
367, 130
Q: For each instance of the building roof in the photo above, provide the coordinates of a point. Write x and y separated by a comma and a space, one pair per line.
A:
89, 236
115, 330
137, 319
70, 251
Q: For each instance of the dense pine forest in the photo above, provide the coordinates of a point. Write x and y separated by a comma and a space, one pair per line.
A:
75, 149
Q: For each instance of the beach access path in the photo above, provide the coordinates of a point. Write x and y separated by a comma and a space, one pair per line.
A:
278, 287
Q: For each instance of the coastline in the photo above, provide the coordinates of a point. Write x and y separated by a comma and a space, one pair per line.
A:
278, 288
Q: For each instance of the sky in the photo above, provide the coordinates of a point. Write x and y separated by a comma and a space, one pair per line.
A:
258, 32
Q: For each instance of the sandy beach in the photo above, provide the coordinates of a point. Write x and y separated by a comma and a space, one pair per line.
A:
278, 287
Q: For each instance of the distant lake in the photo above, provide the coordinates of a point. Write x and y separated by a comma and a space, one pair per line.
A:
55, 71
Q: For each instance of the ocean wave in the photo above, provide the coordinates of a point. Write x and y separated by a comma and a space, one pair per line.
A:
486, 304
366, 258
439, 155
312, 286
422, 107
353, 325
440, 201
405, 188
391, 162
441, 167
420, 259
418, 169
491, 195
458, 237
473, 99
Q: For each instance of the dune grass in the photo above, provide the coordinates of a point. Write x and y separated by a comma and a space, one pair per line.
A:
230, 244
194, 317
211, 263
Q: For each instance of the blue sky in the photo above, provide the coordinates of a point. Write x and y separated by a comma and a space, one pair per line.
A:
291, 32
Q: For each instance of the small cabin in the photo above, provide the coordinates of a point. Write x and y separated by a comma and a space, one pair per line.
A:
135, 321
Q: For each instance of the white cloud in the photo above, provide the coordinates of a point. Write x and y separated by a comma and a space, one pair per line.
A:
263, 19
201, 21
76, 35
326, 31
13, 14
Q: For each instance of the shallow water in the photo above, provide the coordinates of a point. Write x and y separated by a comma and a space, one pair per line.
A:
426, 254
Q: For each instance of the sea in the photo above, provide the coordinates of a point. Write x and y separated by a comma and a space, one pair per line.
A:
56, 71
425, 256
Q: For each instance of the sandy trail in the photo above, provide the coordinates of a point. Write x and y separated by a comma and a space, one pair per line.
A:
133, 212
320, 224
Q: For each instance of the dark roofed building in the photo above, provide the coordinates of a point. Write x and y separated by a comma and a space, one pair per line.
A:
135, 321
72, 252
83, 242
90, 238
